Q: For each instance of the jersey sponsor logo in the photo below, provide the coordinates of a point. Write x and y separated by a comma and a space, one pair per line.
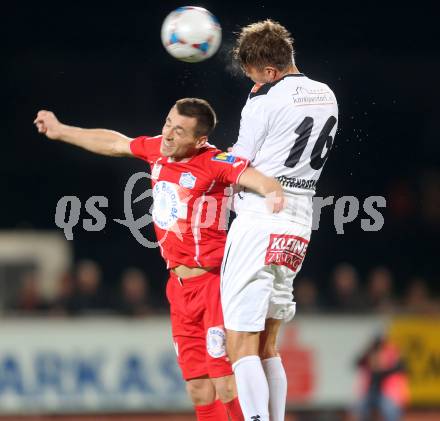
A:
286, 250
156, 171
216, 342
224, 157
299, 183
187, 180
166, 204
320, 96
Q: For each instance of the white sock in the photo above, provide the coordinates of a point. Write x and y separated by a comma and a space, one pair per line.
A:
277, 381
252, 388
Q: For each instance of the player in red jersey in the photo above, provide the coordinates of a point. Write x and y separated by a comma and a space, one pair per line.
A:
189, 178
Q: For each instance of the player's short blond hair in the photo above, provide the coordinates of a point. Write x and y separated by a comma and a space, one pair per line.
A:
264, 43
202, 111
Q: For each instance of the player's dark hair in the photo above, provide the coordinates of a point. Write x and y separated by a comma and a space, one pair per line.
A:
202, 111
264, 43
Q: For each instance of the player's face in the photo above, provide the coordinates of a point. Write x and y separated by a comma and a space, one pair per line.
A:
178, 136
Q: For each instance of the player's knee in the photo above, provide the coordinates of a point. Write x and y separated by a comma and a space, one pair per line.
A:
264, 355
268, 340
267, 350
201, 391
243, 344
225, 388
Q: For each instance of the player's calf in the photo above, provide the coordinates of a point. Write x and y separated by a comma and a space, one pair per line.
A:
268, 339
227, 393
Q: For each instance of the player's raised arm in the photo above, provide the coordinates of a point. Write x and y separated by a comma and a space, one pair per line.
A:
99, 141
266, 186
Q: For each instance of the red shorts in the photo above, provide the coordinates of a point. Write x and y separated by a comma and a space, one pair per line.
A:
197, 325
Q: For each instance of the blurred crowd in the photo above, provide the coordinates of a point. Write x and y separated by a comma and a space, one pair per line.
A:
82, 291
377, 293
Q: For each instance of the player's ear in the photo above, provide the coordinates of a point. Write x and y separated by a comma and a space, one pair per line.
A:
201, 141
270, 73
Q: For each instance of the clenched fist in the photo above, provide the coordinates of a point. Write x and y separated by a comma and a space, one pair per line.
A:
47, 123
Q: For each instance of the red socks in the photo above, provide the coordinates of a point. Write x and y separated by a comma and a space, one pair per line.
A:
218, 411
215, 411
234, 410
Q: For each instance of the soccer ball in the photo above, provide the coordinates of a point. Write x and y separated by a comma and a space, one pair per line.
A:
191, 34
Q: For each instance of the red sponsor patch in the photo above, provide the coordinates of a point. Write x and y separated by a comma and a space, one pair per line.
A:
286, 250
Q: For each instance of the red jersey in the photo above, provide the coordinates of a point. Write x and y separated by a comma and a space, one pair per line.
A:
189, 201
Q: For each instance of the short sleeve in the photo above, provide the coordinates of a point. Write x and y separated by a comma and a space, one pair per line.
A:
253, 131
145, 147
227, 168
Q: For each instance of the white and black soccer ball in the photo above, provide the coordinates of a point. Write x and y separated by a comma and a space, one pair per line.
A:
191, 34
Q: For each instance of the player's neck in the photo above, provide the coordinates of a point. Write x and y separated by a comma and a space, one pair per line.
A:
181, 159
292, 70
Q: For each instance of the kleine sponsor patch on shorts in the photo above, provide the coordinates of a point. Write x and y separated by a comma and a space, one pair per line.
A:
286, 250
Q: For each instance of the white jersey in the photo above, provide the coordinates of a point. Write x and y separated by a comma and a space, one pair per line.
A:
286, 131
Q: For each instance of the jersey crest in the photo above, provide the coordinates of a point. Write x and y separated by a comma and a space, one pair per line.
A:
187, 180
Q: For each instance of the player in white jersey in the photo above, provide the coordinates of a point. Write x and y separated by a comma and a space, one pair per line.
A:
287, 129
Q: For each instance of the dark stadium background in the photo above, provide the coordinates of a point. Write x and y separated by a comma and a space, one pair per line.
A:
103, 65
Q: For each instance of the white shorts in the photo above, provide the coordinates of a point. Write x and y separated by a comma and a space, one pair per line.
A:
262, 258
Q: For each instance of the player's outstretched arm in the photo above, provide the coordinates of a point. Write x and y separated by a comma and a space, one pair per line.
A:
266, 186
99, 141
